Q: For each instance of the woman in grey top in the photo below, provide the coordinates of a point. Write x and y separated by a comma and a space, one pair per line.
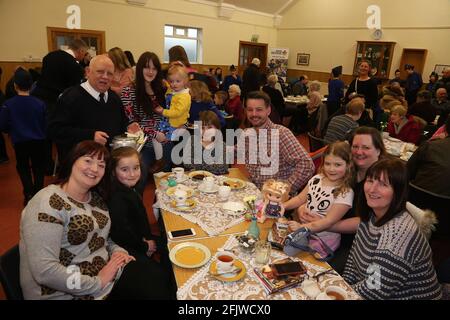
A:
390, 257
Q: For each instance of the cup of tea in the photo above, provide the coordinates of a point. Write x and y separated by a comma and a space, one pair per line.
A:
180, 197
224, 192
208, 182
336, 293
179, 173
225, 261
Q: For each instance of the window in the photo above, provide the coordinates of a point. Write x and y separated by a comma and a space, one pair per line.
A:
187, 37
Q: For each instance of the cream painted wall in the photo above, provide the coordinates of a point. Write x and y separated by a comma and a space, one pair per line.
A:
134, 28
329, 29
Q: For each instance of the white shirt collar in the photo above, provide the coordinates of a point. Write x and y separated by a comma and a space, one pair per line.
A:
70, 51
94, 93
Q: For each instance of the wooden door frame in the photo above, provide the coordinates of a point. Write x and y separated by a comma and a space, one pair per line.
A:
403, 62
51, 31
265, 46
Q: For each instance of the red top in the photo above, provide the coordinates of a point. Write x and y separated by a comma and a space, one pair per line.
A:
234, 107
410, 132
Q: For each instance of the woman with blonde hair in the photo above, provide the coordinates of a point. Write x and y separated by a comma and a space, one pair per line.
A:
402, 126
123, 73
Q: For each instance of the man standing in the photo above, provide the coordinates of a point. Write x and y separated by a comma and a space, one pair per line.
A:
90, 111
271, 150
60, 70
413, 84
251, 79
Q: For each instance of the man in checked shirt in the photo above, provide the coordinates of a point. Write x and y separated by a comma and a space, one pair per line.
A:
271, 150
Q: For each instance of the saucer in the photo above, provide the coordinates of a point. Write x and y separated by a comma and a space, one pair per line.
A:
188, 206
214, 189
228, 277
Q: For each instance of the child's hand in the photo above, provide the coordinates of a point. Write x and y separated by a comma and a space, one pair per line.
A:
306, 216
160, 137
294, 225
159, 110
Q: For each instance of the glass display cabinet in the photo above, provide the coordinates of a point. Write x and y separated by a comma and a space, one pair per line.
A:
378, 53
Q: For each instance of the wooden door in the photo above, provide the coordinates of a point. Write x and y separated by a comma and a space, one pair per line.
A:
58, 38
250, 50
415, 57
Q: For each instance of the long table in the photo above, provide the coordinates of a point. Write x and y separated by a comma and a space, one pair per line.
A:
214, 242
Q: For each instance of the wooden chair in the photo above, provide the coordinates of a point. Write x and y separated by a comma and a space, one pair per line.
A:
315, 143
317, 157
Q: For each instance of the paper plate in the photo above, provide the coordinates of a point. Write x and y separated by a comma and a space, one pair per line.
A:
234, 184
189, 255
231, 276
200, 173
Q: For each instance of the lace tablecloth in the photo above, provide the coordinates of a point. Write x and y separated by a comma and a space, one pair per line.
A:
202, 286
208, 212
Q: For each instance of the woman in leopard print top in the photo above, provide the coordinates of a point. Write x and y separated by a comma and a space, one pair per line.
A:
65, 249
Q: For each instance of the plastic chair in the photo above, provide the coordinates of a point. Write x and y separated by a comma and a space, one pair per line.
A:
10, 274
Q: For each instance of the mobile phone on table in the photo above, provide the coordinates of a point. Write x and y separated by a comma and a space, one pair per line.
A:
289, 268
175, 234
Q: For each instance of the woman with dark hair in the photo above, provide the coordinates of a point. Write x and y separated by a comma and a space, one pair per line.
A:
65, 249
140, 100
178, 54
390, 257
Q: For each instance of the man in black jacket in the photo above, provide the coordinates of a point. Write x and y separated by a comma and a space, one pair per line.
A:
90, 111
251, 79
60, 70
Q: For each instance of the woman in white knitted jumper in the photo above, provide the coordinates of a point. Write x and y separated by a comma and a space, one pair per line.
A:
390, 257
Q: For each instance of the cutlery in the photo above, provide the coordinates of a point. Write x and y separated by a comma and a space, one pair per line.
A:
324, 272
236, 270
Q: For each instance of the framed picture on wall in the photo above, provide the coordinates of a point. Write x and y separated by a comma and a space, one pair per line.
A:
440, 67
303, 59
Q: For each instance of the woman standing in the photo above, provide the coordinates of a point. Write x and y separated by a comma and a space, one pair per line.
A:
123, 73
65, 249
365, 85
139, 100
390, 257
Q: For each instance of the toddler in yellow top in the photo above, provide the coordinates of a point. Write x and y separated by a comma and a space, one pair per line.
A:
178, 102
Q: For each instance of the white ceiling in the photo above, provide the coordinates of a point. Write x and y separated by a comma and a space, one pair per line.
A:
271, 7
